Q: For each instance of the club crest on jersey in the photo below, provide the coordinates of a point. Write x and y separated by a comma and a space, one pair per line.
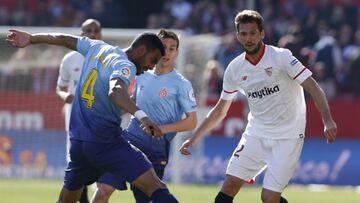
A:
191, 95
125, 72
268, 71
163, 93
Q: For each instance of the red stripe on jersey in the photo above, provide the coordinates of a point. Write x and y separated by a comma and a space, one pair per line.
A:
299, 73
260, 56
230, 92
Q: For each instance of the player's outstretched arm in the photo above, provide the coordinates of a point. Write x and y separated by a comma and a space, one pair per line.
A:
119, 95
318, 95
215, 116
22, 39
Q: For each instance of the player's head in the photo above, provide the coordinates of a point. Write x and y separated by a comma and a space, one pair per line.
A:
171, 45
249, 30
91, 28
145, 51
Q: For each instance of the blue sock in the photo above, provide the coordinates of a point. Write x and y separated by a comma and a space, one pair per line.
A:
139, 196
162, 195
84, 196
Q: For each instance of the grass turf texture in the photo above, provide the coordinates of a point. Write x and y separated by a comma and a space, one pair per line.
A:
44, 191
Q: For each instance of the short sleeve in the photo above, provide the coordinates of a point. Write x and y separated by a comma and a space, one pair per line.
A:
64, 73
230, 85
187, 97
294, 68
125, 70
84, 44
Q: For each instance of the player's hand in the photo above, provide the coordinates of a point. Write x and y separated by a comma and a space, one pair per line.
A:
330, 131
18, 38
150, 128
185, 147
69, 99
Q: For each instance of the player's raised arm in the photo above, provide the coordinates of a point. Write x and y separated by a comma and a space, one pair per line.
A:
215, 116
330, 128
22, 39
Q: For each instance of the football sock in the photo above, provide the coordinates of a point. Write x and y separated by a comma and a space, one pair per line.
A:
223, 198
162, 195
139, 196
283, 200
84, 196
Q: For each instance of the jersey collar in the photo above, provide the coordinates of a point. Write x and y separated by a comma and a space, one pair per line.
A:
259, 58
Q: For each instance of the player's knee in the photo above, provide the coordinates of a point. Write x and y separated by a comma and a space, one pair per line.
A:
100, 196
103, 193
231, 185
148, 182
161, 184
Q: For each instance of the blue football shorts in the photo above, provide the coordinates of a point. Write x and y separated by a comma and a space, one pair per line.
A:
158, 162
89, 161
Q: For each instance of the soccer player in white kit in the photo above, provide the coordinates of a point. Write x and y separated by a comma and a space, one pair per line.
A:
69, 74
272, 79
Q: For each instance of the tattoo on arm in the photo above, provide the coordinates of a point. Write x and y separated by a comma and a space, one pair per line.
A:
70, 42
65, 40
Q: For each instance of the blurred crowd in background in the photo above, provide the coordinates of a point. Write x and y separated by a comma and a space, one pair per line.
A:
323, 34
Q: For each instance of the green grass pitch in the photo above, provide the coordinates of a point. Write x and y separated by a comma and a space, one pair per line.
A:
44, 191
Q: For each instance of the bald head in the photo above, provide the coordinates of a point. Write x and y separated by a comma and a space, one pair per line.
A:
91, 28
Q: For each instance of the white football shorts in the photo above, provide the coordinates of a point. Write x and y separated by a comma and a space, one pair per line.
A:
253, 153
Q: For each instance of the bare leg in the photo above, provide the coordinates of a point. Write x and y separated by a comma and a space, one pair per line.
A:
148, 182
229, 189
232, 185
102, 193
67, 196
269, 196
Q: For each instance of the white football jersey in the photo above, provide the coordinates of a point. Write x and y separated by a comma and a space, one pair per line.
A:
69, 74
272, 88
